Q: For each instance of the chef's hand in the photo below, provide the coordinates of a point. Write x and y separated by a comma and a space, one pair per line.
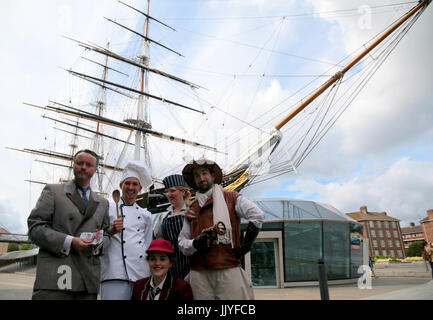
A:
116, 227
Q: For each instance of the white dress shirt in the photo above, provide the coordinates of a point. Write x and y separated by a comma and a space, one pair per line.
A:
244, 208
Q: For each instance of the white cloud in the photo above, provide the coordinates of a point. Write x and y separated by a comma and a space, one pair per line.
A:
403, 191
11, 220
390, 121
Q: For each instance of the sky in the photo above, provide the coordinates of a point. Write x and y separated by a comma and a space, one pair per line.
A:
379, 153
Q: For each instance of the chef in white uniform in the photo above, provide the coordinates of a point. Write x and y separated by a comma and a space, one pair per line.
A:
124, 260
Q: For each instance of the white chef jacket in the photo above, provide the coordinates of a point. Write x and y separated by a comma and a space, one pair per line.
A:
137, 235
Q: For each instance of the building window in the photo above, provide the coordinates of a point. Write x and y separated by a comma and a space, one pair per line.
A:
371, 224
400, 254
390, 243
388, 233
393, 224
335, 249
303, 253
386, 224
382, 243
392, 253
374, 243
396, 234
373, 233
380, 233
376, 253
379, 224
397, 244
384, 253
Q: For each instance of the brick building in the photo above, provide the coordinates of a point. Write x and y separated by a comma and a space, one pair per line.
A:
3, 245
412, 234
383, 232
427, 226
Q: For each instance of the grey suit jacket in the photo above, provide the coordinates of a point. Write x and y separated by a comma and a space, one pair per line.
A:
59, 212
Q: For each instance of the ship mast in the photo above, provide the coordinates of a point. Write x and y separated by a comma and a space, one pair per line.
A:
340, 74
143, 102
98, 145
275, 135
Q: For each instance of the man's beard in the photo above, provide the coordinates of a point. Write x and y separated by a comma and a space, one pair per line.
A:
206, 187
82, 176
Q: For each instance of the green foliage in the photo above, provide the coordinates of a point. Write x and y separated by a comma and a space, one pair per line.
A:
375, 258
415, 249
13, 247
26, 246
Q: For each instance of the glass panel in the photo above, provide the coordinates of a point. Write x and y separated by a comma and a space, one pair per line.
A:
302, 249
273, 209
329, 212
296, 213
308, 209
263, 270
336, 249
356, 248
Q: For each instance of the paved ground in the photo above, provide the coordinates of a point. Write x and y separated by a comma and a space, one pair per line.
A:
380, 286
16, 283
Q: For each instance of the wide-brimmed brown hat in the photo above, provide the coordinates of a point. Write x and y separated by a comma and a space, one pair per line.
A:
187, 172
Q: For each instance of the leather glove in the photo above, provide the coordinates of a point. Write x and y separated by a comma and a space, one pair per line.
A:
201, 242
250, 235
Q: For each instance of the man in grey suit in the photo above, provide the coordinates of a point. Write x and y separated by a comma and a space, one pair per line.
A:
68, 266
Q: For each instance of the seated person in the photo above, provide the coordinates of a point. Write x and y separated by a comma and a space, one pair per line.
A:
162, 285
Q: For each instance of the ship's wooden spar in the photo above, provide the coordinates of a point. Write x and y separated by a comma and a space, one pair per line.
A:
106, 121
113, 55
88, 130
65, 157
105, 66
86, 77
340, 74
60, 156
254, 153
144, 37
147, 16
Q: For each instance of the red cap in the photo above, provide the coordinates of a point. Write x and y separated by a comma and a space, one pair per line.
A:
160, 245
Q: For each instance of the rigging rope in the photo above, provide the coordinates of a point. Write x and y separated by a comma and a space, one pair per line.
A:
370, 69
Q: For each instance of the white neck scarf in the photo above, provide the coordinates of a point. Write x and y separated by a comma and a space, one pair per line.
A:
220, 211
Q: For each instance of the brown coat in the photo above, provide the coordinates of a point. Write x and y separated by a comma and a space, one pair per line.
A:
220, 256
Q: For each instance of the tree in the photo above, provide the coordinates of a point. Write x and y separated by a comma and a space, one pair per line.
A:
415, 249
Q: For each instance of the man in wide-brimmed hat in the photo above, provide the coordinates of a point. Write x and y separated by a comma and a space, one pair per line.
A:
211, 235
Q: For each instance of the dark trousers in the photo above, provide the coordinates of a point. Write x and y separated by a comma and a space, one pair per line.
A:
431, 268
62, 295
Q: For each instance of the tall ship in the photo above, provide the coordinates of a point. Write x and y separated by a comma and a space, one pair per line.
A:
133, 100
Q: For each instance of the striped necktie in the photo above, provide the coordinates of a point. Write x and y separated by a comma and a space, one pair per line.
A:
153, 292
84, 193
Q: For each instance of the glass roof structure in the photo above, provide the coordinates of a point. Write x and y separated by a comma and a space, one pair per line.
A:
293, 209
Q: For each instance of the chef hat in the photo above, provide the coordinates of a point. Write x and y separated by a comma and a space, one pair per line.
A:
139, 170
